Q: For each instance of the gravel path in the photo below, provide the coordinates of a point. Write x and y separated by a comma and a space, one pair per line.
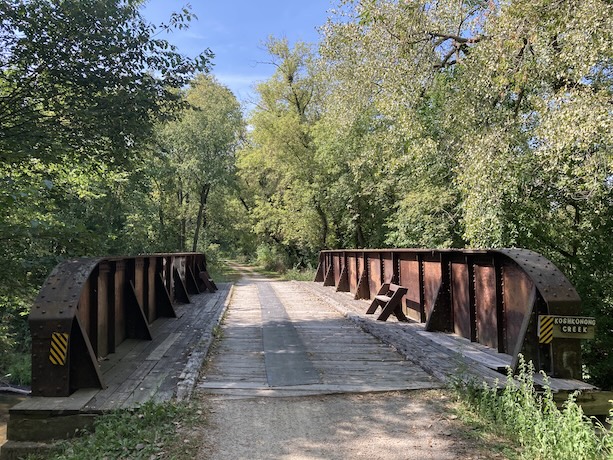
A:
397, 425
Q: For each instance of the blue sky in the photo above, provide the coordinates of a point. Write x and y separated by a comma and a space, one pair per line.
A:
235, 31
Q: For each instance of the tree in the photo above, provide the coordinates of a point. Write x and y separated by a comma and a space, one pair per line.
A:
504, 111
85, 76
199, 149
535, 158
82, 84
389, 64
278, 167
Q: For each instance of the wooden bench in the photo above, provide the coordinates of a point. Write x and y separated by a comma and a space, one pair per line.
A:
388, 298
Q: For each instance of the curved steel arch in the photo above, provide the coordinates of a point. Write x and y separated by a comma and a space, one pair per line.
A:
88, 306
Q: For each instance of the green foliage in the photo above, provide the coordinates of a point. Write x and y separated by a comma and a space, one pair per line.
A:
82, 85
18, 368
196, 159
269, 257
15, 336
151, 431
479, 124
278, 169
534, 420
306, 274
85, 76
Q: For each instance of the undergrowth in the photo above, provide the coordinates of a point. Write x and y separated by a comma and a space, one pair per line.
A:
307, 274
533, 419
152, 431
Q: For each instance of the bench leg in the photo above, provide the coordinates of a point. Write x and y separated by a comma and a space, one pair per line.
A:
393, 306
373, 307
387, 311
400, 314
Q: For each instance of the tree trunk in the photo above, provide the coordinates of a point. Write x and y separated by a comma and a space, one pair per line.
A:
324, 225
182, 222
359, 236
200, 220
162, 229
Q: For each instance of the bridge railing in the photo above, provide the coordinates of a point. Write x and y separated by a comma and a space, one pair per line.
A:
88, 307
493, 297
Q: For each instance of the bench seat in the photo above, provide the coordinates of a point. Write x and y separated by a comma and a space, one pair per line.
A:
389, 299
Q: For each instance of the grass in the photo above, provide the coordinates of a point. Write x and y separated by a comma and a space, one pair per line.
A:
18, 369
307, 274
222, 272
484, 432
532, 419
152, 431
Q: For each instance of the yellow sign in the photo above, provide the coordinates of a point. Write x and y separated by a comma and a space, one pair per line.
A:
545, 329
565, 327
59, 348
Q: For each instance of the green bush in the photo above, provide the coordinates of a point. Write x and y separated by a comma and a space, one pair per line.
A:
7, 342
19, 369
534, 420
270, 258
15, 339
308, 274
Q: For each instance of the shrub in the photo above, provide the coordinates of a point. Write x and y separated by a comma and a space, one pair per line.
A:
147, 432
270, 258
533, 419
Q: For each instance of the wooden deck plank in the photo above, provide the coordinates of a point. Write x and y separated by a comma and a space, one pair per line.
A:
444, 355
70, 405
142, 369
342, 355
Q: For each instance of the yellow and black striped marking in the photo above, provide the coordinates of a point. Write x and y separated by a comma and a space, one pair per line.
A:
545, 329
59, 348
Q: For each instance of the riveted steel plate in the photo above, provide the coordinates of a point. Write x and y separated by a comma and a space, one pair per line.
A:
555, 289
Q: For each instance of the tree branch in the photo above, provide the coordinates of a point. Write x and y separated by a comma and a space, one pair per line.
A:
456, 38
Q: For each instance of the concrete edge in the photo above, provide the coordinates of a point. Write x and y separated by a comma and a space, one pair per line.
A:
191, 371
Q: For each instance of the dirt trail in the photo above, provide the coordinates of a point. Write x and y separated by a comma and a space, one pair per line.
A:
386, 426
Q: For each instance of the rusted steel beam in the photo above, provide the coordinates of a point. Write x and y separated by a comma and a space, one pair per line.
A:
343, 282
87, 307
363, 288
319, 277
493, 297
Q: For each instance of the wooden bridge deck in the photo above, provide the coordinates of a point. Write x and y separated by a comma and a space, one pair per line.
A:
278, 339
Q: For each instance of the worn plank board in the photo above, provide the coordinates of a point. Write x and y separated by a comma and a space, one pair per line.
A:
57, 406
443, 355
343, 356
143, 369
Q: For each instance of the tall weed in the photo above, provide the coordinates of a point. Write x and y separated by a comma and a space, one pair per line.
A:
533, 419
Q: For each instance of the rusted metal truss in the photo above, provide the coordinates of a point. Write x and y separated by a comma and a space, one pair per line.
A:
87, 307
492, 297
